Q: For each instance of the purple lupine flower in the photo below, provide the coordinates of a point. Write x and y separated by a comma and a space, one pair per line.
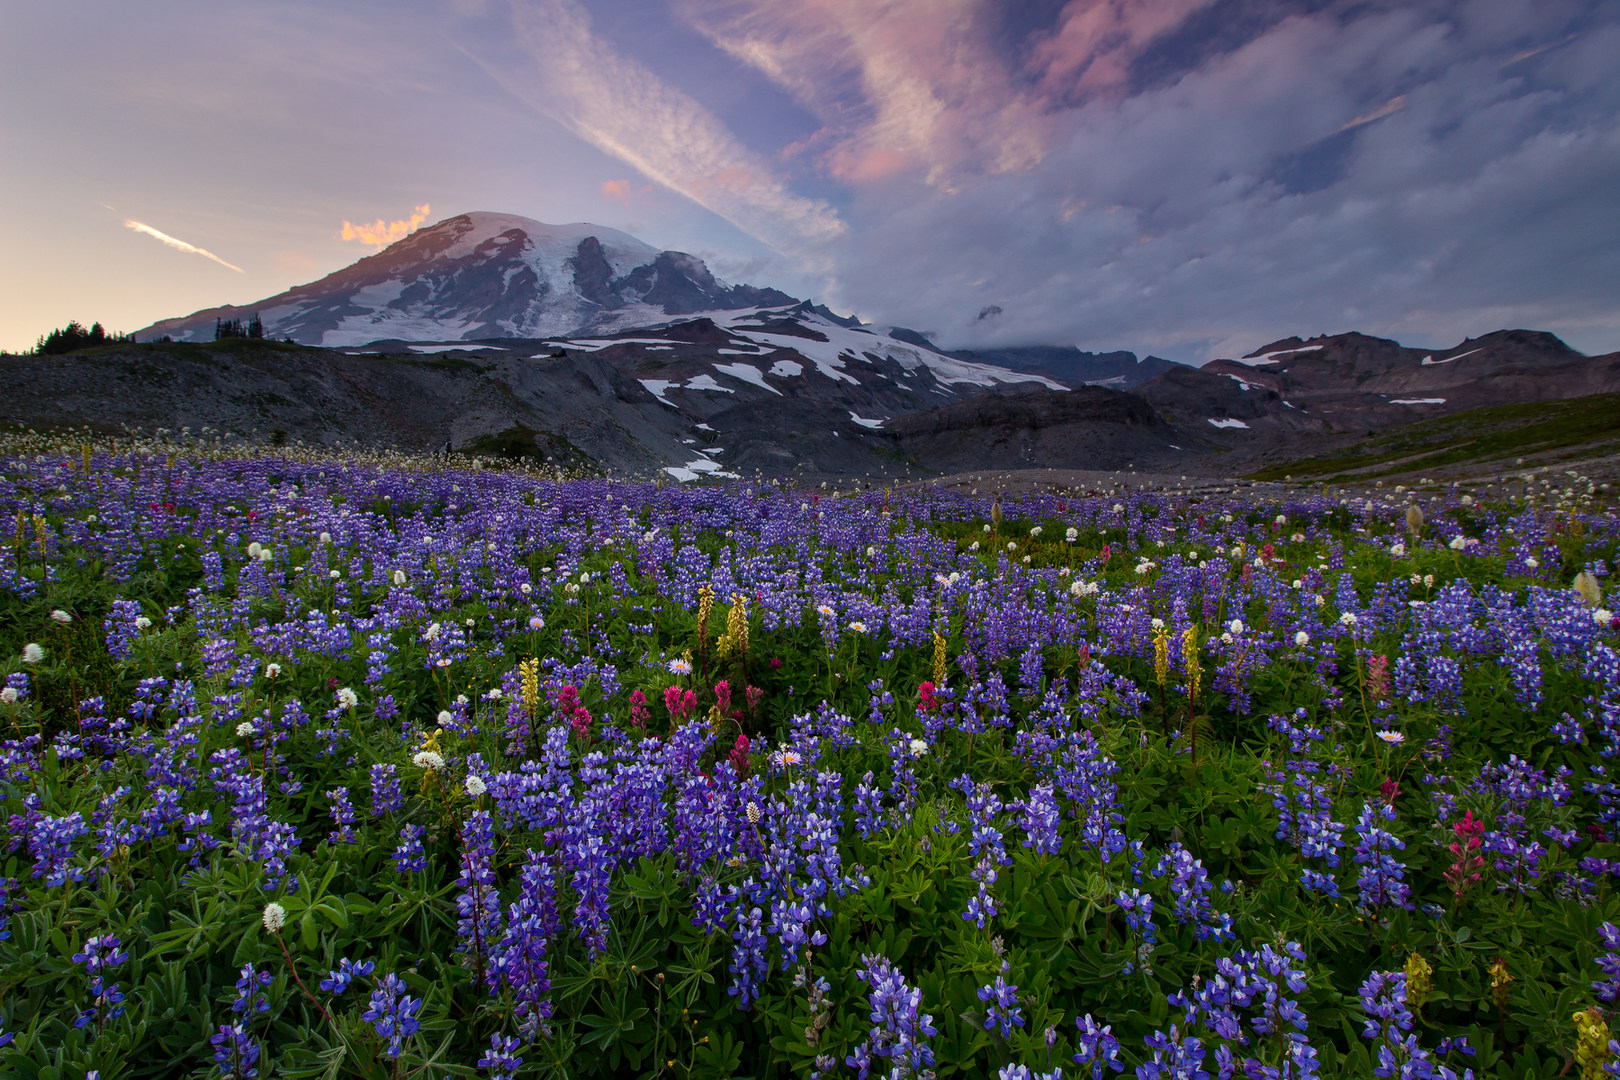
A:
410, 857
1608, 989
869, 813
1004, 1013
336, 982
100, 955
502, 1060
392, 1013
747, 952
1098, 1047
478, 905
899, 1027
1174, 1057
50, 841
386, 797
1190, 888
250, 996
520, 958
235, 1052
342, 813
1040, 820
1381, 882
1389, 1021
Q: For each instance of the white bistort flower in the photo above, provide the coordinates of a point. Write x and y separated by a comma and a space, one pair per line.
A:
1603, 616
1302, 639
347, 698
33, 653
446, 717
475, 786
918, 748
245, 730
9, 695
61, 616
275, 917
428, 759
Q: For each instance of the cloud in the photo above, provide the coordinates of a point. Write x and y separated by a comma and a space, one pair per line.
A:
1388, 108
563, 70
1155, 220
1096, 40
381, 233
900, 88
179, 245
617, 190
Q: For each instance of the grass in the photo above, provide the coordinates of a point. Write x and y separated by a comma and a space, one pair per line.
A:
1587, 424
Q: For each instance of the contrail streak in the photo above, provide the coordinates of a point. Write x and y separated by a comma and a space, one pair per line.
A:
179, 245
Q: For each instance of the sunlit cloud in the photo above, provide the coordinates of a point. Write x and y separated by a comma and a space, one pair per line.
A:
1388, 108
381, 233
567, 72
178, 245
899, 88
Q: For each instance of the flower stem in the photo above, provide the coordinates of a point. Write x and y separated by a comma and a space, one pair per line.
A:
292, 967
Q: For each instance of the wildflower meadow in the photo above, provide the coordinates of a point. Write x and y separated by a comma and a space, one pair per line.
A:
390, 767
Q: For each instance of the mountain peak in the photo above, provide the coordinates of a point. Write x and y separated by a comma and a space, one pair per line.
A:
490, 275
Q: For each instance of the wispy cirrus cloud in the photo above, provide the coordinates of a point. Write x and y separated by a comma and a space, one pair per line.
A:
178, 245
563, 70
381, 233
900, 87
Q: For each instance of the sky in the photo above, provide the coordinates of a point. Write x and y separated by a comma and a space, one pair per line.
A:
1190, 178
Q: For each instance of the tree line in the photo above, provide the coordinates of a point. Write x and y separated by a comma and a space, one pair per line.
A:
75, 336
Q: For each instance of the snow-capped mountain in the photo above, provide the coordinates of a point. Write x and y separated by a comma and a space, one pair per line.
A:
484, 275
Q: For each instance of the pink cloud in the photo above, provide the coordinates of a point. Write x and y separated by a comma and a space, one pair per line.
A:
895, 84
1096, 40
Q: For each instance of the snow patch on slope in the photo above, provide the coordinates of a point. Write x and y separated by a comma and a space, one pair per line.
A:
1430, 361
1267, 358
747, 373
